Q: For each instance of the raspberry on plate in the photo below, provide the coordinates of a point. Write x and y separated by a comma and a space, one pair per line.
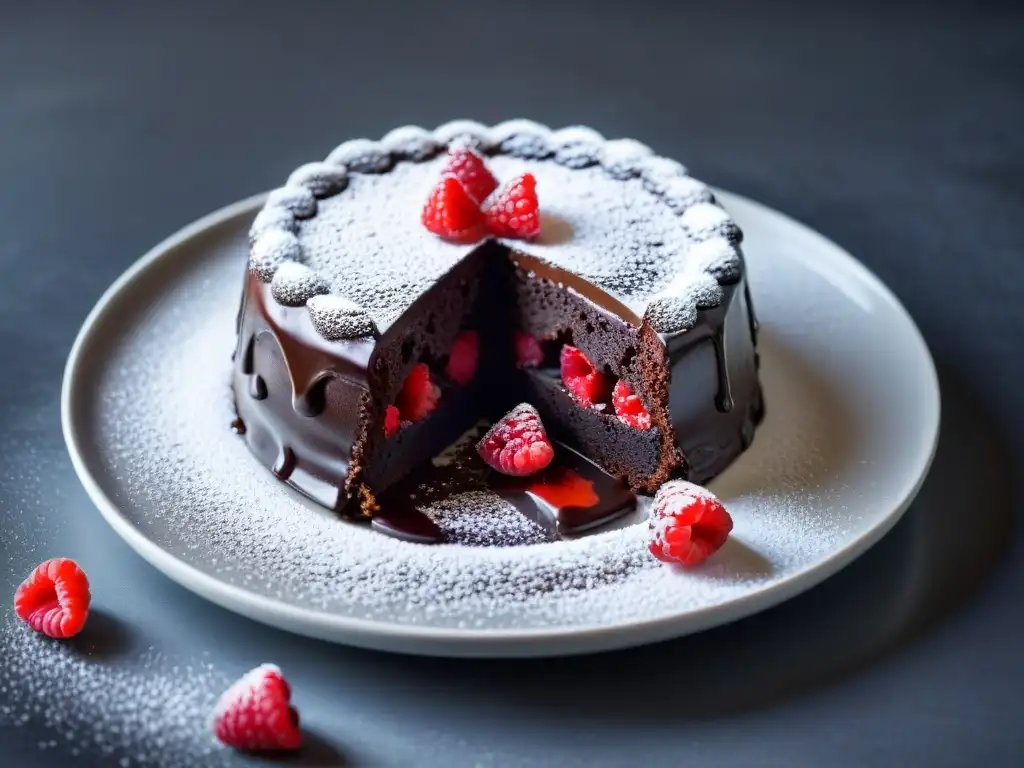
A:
688, 524
54, 599
466, 165
452, 214
255, 714
514, 211
581, 378
628, 407
529, 353
419, 394
517, 445
392, 421
462, 359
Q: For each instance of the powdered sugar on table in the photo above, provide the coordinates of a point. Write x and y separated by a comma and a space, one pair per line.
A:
147, 709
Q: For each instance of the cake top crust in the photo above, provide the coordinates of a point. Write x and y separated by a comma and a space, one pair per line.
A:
635, 225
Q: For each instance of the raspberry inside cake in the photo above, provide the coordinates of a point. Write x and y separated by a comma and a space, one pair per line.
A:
367, 344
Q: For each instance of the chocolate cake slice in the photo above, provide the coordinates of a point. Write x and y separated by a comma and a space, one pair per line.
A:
349, 303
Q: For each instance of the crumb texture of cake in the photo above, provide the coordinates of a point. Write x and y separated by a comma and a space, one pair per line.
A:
368, 342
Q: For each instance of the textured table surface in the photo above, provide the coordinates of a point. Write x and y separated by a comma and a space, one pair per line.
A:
893, 130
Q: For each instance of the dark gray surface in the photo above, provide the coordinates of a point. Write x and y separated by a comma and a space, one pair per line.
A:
895, 131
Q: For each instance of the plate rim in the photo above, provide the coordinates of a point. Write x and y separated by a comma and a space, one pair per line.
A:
469, 642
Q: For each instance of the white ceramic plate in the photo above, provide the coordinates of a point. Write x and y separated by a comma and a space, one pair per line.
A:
853, 415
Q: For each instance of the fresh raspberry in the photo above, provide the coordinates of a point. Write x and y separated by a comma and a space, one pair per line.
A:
419, 394
452, 214
528, 350
466, 165
687, 524
517, 445
392, 421
462, 359
628, 407
54, 599
514, 212
580, 377
255, 713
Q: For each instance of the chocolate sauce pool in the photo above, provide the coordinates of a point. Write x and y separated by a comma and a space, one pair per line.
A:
568, 498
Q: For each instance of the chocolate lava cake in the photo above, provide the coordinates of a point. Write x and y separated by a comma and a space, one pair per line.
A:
349, 298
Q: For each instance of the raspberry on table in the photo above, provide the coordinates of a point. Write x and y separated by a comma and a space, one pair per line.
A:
452, 214
469, 167
462, 360
419, 394
255, 714
529, 353
581, 378
628, 407
54, 599
518, 444
514, 211
688, 524
392, 421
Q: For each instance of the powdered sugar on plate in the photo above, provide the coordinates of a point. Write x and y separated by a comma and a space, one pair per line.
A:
159, 408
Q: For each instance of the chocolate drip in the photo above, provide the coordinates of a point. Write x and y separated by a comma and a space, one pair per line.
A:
257, 387
279, 344
310, 358
240, 337
285, 463
714, 364
310, 403
712, 330
755, 328
247, 366
723, 400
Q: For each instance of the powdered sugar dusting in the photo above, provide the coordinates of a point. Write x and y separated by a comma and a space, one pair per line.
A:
718, 257
677, 311
411, 142
272, 248
361, 156
369, 243
705, 219
299, 200
577, 146
190, 485
148, 709
686, 493
481, 518
335, 317
658, 172
294, 284
523, 138
625, 226
272, 218
672, 314
468, 132
320, 178
623, 158
680, 192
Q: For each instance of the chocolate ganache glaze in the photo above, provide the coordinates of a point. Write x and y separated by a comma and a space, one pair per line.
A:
635, 265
